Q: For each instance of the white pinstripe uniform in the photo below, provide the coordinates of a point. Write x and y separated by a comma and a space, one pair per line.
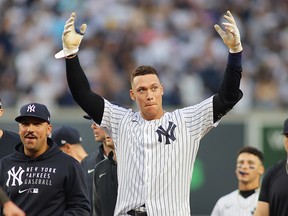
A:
152, 168
233, 204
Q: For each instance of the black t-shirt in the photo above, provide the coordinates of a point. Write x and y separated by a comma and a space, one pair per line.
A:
8, 141
274, 189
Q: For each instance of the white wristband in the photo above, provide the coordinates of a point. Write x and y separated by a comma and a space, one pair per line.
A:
65, 52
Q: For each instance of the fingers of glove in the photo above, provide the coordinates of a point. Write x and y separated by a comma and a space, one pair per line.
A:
219, 30
71, 19
68, 25
82, 29
229, 17
68, 30
230, 28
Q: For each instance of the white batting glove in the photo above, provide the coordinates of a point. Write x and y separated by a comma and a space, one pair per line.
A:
231, 35
71, 38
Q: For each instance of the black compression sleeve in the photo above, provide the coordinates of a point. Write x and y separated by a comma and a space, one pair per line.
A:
89, 101
229, 93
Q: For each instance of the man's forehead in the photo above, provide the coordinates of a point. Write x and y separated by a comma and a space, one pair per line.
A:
247, 156
146, 80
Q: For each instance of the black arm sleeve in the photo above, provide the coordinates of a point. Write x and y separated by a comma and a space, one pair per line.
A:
90, 102
229, 93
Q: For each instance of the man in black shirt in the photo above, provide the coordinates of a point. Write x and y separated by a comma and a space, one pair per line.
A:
105, 184
273, 198
8, 139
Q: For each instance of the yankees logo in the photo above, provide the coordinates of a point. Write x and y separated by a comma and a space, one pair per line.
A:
169, 133
16, 176
31, 108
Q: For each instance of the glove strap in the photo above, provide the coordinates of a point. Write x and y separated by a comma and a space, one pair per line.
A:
69, 52
66, 53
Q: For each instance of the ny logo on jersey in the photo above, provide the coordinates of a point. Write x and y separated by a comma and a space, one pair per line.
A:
15, 176
169, 133
31, 108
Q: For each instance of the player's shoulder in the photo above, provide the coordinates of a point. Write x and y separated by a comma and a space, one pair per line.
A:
273, 169
10, 133
90, 161
67, 159
227, 198
102, 165
92, 156
10, 136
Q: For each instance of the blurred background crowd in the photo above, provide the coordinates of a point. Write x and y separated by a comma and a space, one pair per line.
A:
177, 37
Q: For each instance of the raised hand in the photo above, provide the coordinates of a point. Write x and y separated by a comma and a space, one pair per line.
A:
71, 37
231, 34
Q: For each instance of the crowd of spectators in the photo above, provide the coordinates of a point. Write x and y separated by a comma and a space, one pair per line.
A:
175, 36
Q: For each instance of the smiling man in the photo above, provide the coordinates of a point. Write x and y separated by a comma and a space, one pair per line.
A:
243, 201
38, 177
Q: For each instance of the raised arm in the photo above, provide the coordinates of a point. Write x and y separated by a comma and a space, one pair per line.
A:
89, 101
229, 92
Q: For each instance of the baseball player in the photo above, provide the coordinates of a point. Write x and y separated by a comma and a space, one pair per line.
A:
155, 149
243, 201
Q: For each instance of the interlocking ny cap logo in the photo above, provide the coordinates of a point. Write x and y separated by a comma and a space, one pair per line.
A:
31, 108
15, 176
168, 134
36, 110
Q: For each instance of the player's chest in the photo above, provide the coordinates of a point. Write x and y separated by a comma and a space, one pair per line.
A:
163, 133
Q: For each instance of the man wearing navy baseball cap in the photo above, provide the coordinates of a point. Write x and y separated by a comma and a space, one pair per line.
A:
40, 178
35, 110
69, 141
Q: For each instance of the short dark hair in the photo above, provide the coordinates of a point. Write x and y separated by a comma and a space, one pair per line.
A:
143, 70
251, 150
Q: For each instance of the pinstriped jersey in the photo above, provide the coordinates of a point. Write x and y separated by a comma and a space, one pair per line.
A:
236, 205
156, 158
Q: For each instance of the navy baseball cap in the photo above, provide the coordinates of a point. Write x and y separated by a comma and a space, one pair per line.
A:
285, 127
65, 134
36, 110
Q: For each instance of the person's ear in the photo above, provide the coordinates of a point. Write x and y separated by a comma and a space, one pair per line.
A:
261, 170
49, 130
66, 148
132, 96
